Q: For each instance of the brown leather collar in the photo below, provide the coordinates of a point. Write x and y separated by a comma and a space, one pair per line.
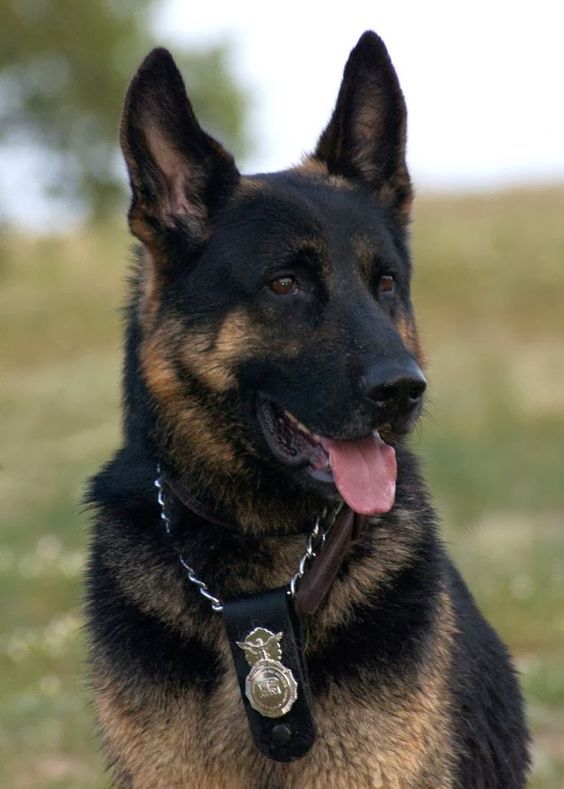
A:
317, 581
193, 504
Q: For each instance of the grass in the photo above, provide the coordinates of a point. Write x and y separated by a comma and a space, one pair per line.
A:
489, 291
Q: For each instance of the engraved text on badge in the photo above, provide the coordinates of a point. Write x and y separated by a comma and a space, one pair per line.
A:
270, 687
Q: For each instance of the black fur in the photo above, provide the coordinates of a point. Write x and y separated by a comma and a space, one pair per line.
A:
212, 243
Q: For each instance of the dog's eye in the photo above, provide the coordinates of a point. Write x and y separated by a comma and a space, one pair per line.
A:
284, 286
386, 285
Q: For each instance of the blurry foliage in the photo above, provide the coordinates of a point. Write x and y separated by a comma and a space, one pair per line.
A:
64, 68
488, 291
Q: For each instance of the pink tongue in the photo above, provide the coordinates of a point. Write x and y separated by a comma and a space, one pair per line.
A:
364, 473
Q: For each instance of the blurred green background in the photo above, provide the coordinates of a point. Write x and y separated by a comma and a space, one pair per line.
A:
489, 292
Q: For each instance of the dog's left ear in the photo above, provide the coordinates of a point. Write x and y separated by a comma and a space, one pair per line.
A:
366, 136
178, 174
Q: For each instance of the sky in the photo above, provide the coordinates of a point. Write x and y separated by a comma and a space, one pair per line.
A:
483, 81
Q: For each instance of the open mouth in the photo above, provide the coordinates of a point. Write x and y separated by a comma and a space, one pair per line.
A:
363, 470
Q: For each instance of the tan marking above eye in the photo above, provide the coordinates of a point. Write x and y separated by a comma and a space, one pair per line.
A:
366, 254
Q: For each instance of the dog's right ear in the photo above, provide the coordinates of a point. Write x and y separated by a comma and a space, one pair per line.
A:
178, 174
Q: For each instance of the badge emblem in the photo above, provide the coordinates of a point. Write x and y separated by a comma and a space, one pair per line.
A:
270, 687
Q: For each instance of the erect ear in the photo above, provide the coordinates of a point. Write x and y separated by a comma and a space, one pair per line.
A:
178, 174
366, 135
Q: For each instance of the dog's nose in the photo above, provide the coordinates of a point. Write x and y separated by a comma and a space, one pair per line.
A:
395, 389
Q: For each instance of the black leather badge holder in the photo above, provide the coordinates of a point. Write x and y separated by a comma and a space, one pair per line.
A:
265, 640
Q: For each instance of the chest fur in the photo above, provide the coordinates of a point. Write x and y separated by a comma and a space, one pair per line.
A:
367, 737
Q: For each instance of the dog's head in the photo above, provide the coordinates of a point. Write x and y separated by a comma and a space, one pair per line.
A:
274, 333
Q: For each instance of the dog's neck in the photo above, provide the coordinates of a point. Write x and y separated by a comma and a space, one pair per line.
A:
327, 545
255, 508
202, 505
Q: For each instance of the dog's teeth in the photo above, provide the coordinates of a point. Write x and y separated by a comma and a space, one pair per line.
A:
304, 429
300, 426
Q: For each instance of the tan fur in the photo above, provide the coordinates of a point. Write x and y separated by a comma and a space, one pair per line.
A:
149, 287
316, 244
315, 168
179, 408
213, 356
400, 184
365, 254
139, 227
249, 187
392, 729
408, 332
392, 550
210, 355
405, 324
399, 736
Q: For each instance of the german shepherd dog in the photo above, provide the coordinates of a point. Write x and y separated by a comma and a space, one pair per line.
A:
272, 375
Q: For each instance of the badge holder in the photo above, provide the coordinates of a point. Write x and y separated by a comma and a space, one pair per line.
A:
266, 641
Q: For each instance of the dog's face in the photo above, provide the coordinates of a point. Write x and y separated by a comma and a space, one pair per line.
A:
277, 340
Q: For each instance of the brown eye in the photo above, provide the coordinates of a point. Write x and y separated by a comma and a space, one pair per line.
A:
386, 285
284, 286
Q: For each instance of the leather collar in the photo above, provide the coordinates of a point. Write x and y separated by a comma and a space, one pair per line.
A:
317, 581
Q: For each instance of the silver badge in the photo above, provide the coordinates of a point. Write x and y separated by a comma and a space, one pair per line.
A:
270, 687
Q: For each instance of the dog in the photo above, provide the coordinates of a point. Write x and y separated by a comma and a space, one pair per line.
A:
272, 375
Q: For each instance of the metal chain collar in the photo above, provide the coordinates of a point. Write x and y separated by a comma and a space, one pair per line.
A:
314, 545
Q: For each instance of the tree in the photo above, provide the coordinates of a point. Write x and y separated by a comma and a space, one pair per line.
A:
64, 68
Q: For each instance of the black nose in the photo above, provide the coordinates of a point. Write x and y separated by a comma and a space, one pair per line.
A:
395, 389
